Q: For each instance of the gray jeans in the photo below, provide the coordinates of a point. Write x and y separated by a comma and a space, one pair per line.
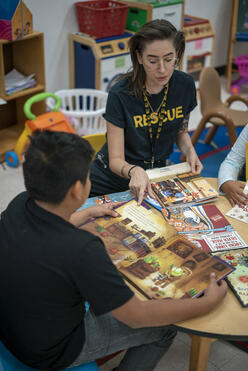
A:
106, 335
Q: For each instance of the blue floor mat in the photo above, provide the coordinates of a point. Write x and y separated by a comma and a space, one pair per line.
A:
212, 162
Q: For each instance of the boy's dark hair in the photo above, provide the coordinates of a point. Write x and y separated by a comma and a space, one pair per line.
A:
54, 161
158, 29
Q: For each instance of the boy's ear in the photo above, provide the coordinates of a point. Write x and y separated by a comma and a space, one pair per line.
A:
77, 190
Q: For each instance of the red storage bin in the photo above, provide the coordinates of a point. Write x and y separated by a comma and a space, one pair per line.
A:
101, 18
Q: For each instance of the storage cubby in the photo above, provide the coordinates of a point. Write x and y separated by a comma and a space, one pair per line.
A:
238, 34
26, 56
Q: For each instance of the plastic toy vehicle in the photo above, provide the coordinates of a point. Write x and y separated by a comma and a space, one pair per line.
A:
54, 120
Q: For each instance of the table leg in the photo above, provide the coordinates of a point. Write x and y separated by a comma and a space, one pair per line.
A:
199, 353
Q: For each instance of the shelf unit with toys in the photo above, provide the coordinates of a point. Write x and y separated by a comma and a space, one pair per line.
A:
26, 55
238, 34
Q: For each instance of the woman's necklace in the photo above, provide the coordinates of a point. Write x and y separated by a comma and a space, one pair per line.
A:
152, 115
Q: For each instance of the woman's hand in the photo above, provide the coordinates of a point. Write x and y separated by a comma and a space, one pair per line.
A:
185, 145
140, 184
193, 160
234, 192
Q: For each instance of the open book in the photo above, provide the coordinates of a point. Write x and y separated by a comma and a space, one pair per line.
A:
204, 225
152, 256
154, 174
186, 188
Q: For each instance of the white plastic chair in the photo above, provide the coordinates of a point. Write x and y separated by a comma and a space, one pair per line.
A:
83, 109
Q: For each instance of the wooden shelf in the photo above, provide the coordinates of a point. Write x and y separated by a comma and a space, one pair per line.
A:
26, 55
38, 88
195, 70
29, 36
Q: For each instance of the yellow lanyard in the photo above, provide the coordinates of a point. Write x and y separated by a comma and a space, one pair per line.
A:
151, 115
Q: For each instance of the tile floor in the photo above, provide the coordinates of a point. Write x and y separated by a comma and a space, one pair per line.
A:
223, 356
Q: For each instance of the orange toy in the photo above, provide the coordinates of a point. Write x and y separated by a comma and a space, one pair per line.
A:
55, 121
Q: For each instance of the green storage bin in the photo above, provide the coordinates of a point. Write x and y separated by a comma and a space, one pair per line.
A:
137, 17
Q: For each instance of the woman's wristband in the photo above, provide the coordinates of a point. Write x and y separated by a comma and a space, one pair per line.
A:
129, 171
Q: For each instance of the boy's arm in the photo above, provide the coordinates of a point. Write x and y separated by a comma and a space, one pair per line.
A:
136, 313
83, 216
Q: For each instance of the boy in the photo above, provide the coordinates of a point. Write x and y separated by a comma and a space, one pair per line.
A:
49, 268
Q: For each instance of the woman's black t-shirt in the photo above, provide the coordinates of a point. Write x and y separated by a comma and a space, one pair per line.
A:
127, 112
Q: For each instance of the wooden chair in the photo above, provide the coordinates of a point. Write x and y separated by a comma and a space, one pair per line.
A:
216, 112
96, 140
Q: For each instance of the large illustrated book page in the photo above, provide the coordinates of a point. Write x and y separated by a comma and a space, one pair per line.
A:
204, 225
112, 197
237, 280
152, 256
186, 188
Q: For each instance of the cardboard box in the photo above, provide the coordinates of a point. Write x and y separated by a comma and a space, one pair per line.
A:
15, 20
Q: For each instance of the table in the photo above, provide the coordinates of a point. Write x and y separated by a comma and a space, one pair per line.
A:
228, 321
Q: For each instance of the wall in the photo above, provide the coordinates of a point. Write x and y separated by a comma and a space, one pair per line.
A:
57, 18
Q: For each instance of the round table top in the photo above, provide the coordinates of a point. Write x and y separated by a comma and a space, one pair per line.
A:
229, 319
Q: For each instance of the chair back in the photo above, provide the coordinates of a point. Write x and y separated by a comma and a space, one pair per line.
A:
96, 140
9, 363
210, 90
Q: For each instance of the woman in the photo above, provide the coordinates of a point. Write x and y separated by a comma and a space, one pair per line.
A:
147, 112
230, 170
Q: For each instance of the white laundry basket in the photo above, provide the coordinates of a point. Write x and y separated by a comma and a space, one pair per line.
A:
83, 108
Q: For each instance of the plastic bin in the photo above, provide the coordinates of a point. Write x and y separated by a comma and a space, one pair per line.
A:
242, 63
83, 108
101, 18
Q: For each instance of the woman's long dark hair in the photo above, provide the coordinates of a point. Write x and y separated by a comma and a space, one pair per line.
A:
159, 29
